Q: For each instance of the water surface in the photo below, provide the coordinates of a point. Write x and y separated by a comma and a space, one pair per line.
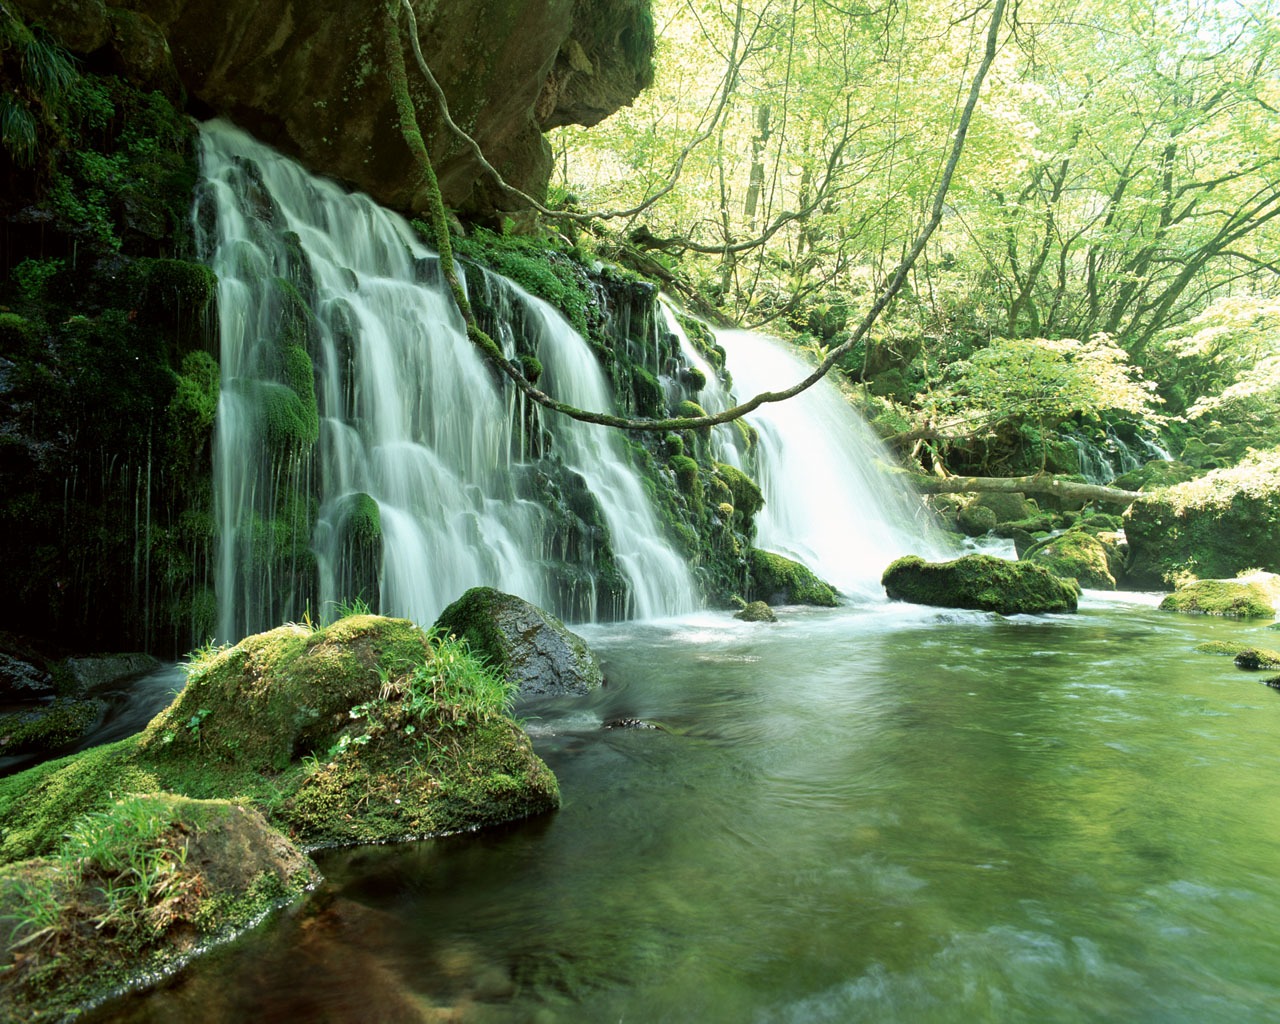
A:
886, 813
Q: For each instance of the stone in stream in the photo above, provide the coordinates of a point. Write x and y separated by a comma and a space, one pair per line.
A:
980, 582
529, 646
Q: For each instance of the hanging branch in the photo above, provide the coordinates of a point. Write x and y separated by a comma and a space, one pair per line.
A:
730, 80
399, 82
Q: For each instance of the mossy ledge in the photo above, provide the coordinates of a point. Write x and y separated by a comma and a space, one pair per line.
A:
368, 730
1244, 598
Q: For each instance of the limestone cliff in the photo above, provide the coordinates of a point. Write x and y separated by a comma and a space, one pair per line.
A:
308, 77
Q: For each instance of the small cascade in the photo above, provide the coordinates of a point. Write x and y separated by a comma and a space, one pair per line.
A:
714, 397
364, 448
827, 504
1121, 450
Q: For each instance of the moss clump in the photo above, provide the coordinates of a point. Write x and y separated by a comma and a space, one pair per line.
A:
686, 471
975, 520
134, 889
531, 367
1214, 527
756, 611
1235, 599
646, 393
779, 580
362, 518
48, 728
1254, 658
391, 712
746, 497
1079, 555
1226, 647
980, 582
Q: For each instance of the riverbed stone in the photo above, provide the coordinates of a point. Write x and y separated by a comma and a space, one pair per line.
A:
980, 582
529, 646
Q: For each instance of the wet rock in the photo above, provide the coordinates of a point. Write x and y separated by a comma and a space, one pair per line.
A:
756, 611
531, 647
980, 582
23, 680
778, 580
110, 668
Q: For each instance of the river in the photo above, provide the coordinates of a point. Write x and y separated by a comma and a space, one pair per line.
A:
874, 813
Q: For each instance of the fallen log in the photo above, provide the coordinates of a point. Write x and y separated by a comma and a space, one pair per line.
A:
1038, 483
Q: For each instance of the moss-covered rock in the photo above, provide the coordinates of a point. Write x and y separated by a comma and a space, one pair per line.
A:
779, 580
1214, 527
980, 582
49, 728
369, 730
1079, 555
756, 611
533, 649
975, 520
132, 892
1254, 658
1248, 597
1228, 648
745, 494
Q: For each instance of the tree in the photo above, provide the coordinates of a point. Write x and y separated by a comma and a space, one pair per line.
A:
392, 13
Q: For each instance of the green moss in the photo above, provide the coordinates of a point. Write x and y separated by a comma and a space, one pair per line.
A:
980, 582
48, 728
531, 368
746, 496
646, 393
37, 805
1254, 658
1228, 647
1077, 554
132, 888
363, 519
780, 580
1234, 599
686, 471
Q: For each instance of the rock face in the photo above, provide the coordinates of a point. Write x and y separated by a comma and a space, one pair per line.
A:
980, 582
531, 647
309, 78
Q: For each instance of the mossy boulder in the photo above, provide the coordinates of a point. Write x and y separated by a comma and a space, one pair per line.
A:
1254, 658
133, 891
745, 494
1247, 597
779, 580
975, 520
369, 730
756, 611
1216, 526
980, 582
1079, 555
48, 728
530, 647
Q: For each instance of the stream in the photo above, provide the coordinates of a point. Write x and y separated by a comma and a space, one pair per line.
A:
880, 812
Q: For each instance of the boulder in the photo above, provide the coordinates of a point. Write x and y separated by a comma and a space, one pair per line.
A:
134, 890
530, 647
775, 579
1221, 524
756, 611
368, 730
1255, 596
1080, 555
980, 582
311, 78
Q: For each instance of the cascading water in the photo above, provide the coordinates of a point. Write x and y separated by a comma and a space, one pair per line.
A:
353, 402
827, 504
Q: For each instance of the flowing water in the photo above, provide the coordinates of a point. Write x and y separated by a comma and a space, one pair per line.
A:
413, 431
827, 502
881, 814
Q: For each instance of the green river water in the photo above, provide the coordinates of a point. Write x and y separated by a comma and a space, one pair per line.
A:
886, 813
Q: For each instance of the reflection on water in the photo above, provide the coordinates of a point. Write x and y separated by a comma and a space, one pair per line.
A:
877, 814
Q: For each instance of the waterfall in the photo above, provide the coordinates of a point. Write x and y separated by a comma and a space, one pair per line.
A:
363, 446
827, 503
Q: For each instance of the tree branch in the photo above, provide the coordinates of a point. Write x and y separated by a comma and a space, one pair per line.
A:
398, 79
1039, 483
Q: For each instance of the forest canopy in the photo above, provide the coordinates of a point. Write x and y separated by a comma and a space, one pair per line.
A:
1120, 181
